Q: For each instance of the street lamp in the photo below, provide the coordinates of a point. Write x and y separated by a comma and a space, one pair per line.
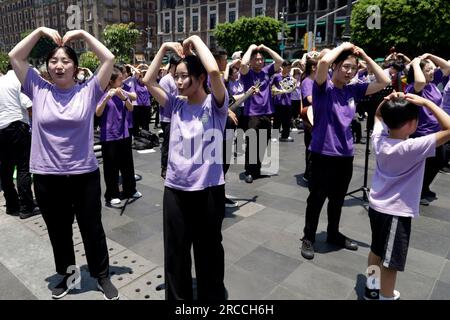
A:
281, 36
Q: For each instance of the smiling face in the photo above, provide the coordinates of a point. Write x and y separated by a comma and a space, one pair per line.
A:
62, 69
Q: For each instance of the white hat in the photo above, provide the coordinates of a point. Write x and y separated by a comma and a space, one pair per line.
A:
236, 55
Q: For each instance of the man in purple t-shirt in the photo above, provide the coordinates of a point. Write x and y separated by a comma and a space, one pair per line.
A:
258, 107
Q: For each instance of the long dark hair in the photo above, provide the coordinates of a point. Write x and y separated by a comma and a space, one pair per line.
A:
310, 63
195, 69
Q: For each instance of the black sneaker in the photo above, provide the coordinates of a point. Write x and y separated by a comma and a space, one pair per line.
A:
110, 292
371, 294
429, 195
342, 241
12, 211
249, 178
307, 249
63, 287
28, 214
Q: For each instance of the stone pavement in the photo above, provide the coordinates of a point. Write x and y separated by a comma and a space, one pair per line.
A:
261, 241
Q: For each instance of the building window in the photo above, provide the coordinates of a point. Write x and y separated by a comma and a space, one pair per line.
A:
212, 14
212, 42
322, 4
292, 6
321, 33
109, 15
259, 7
167, 22
138, 5
125, 17
194, 1
139, 17
180, 2
62, 7
303, 6
180, 21
231, 12
195, 19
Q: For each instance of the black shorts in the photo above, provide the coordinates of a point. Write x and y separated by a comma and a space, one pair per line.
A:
390, 238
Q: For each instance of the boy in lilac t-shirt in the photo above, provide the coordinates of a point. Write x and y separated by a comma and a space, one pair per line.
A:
396, 185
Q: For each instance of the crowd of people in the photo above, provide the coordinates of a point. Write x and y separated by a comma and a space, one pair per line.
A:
202, 99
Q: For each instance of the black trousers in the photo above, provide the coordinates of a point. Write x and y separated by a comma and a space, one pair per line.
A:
307, 137
165, 126
432, 167
295, 109
118, 157
330, 179
282, 119
252, 161
194, 218
227, 149
60, 199
141, 118
15, 145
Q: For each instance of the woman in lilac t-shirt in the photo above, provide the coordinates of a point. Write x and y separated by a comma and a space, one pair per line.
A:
332, 141
194, 194
66, 174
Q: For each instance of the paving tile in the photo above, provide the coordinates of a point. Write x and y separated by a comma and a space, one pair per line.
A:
445, 273
440, 291
147, 287
414, 286
431, 243
281, 293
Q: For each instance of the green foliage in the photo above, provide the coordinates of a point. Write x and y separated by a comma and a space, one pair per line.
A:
42, 48
240, 34
120, 39
412, 26
4, 60
89, 60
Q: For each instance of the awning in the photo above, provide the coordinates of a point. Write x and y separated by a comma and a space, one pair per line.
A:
296, 25
321, 23
339, 21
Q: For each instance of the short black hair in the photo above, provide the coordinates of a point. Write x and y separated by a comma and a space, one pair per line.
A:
255, 52
219, 52
344, 55
174, 60
396, 113
68, 50
397, 66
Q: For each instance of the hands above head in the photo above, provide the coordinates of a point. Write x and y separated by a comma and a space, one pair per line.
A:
53, 35
417, 100
72, 35
176, 47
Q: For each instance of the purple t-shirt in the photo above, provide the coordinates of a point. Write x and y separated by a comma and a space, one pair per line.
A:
427, 121
195, 147
307, 89
333, 112
439, 78
170, 87
114, 120
400, 164
143, 96
236, 88
261, 103
285, 98
128, 86
63, 129
446, 98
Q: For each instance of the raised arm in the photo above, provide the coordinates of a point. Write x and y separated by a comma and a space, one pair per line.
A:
324, 64
382, 80
441, 63
18, 56
419, 77
152, 73
217, 87
275, 56
105, 56
442, 117
246, 59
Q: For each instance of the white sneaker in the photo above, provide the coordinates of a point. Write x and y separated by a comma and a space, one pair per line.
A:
116, 202
395, 297
137, 195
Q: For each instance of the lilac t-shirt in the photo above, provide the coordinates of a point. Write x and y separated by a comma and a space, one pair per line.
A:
446, 98
285, 98
143, 96
169, 86
400, 164
333, 112
427, 121
114, 120
260, 103
307, 88
195, 146
128, 86
63, 129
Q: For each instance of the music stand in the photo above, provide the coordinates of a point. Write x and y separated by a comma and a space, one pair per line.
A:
371, 103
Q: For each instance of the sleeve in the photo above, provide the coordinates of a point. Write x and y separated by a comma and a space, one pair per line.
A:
379, 129
270, 69
170, 104
33, 83
165, 84
276, 81
359, 90
422, 147
220, 108
94, 89
306, 88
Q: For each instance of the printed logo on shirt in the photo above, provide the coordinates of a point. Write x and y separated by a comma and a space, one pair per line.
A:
205, 118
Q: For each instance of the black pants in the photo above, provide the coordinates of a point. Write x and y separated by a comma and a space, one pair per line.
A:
282, 118
165, 126
141, 118
253, 161
307, 140
60, 199
15, 145
356, 131
194, 218
330, 179
432, 167
118, 157
227, 149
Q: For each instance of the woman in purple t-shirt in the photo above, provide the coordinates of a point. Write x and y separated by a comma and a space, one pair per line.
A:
66, 174
194, 194
332, 141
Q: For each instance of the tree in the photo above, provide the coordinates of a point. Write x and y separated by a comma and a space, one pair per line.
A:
412, 26
120, 39
41, 49
240, 34
4, 60
89, 60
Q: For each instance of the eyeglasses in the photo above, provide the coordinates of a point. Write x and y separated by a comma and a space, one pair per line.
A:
347, 67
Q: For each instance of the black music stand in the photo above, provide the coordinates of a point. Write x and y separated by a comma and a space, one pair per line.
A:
370, 103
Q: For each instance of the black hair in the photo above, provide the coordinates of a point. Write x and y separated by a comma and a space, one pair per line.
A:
344, 55
217, 53
310, 63
195, 69
115, 73
397, 66
396, 113
120, 66
128, 68
174, 60
67, 50
255, 52
410, 78
286, 63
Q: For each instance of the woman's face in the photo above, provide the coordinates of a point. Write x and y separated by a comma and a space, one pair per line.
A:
346, 70
234, 74
62, 69
118, 82
428, 71
187, 85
